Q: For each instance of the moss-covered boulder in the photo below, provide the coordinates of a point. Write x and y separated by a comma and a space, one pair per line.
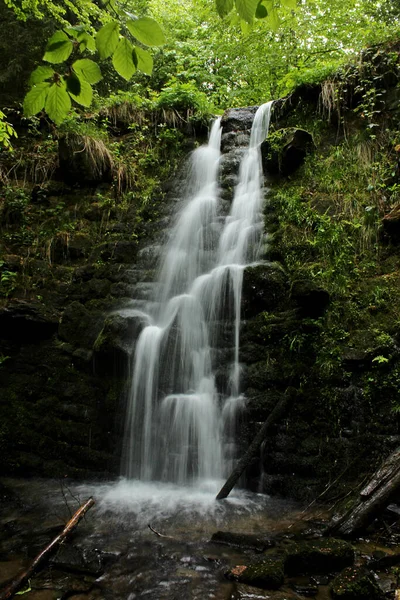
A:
318, 556
285, 150
267, 573
355, 583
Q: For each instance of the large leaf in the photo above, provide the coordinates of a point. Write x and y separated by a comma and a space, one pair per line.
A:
58, 102
273, 19
223, 7
123, 59
88, 70
107, 39
59, 48
41, 74
86, 42
292, 4
147, 31
73, 84
261, 11
246, 9
85, 95
35, 99
144, 60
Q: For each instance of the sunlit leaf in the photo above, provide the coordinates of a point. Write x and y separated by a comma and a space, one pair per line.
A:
41, 74
59, 48
107, 39
58, 102
144, 60
292, 4
88, 70
246, 9
224, 7
87, 42
123, 59
273, 19
35, 99
85, 95
147, 31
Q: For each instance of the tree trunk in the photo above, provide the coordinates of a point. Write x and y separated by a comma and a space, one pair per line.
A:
375, 496
14, 586
278, 412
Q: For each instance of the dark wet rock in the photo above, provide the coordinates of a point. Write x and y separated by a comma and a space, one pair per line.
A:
319, 556
116, 341
311, 299
84, 160
27, 321
238, 119
80, 326
265, 288
355, 583
267, 573
309, 591
285, 150
241, 540
391, 223
80, 560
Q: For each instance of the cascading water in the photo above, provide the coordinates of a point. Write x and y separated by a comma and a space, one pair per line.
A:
178, 421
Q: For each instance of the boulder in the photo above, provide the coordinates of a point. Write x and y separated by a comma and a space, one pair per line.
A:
238, 119
265, 288
355, 583
284, 151
79, 326
266, 573
310, 298
27, 321
318, 556
242, 540
116, 341
391, 223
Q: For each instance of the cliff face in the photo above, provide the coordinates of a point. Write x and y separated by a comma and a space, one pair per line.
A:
82, 219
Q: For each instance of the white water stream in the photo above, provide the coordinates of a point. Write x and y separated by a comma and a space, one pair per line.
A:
179, 426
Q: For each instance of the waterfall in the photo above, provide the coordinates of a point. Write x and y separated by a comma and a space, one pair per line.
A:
180, 426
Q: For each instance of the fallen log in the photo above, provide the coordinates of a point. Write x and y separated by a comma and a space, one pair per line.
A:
373, 498
17, 583
276, 415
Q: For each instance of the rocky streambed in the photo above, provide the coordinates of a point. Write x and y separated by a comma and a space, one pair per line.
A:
248, 546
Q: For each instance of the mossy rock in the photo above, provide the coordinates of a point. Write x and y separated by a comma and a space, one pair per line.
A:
267, 574
355, 583
318, 556
80, 326
285, 150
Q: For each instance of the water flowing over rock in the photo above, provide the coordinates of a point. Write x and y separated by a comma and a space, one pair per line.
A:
181, 416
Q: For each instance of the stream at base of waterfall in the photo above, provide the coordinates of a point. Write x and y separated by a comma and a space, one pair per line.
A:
180, 425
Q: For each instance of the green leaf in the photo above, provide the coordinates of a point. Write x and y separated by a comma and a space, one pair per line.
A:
147, 31
35, 99
246, 9
58, 102
41, 74
223, 7
273, 18
75, 31
59, 48
261, 11
292, 4
73, 84
144, 60
85, 95
123, 59
86, 42
88, 70
107, 39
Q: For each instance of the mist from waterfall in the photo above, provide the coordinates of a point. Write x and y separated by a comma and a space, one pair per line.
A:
180, 424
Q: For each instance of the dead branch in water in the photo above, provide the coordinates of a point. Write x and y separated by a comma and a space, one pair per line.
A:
16, 584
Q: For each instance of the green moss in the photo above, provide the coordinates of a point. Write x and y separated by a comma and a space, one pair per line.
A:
319, 556
355, 583
266, 574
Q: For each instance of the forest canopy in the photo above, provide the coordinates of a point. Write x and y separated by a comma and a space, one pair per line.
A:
227, 52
